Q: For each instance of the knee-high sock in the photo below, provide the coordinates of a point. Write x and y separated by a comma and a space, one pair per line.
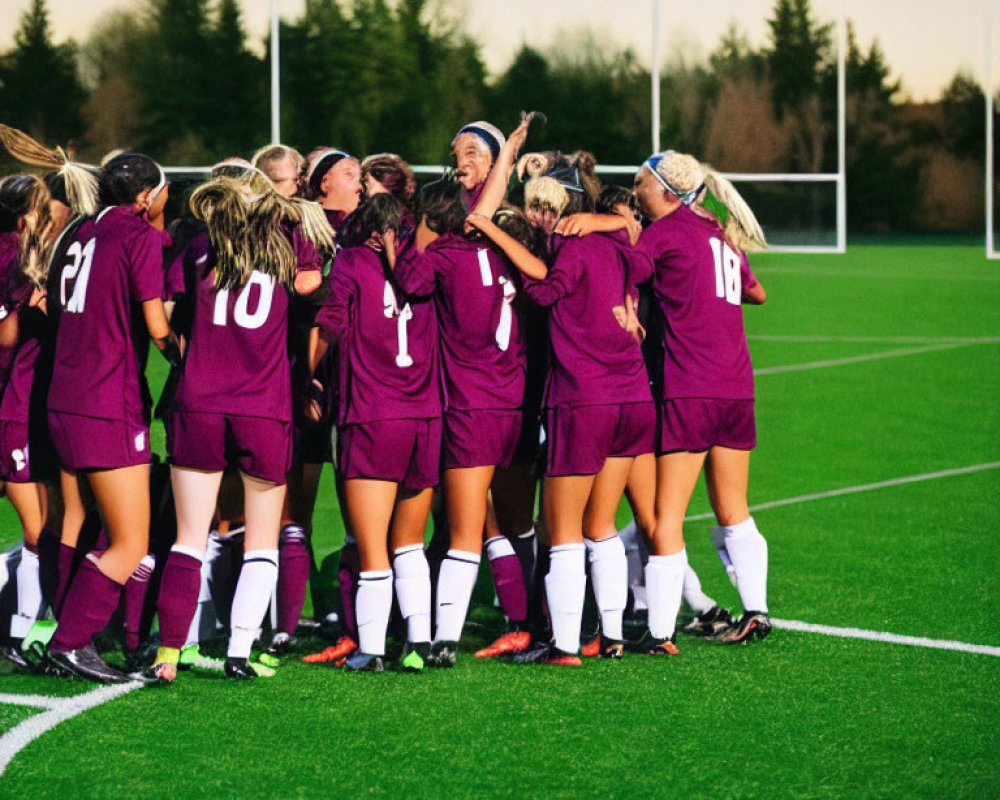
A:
748, 551
135, 599
29, 595
719, 542
67, 568
696, 599
456, 581
374, 607
565, 584
253, 593
526, 547
225, 552
609, 575
293, 574
90, 602
48, 564
347, 576
664, 584
538, 609
413, 591
508, 578
179, 590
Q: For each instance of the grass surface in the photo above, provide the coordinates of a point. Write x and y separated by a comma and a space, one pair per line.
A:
799, 715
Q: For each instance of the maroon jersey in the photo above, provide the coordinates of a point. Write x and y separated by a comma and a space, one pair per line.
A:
595, 360
482, 354
236, 356
15, 292
387, 345
698, 287
113, 262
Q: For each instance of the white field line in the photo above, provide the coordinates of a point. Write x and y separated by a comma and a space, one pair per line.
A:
769, 269
840, 362
867, 487
59, 710
883, 636
822, 338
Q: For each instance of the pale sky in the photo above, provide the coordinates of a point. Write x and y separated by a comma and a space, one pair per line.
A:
925, 41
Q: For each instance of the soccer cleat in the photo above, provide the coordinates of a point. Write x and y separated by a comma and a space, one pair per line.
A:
84, 662
414, 657
239, 669
340, 650
709, 623
611, 648
13, 653
281, 644
442, 655
547, 653
263, 670
365, 662
160, 674
592, 648
36, 641
652, 646
752, 625
191, 657
138, 659
513, 642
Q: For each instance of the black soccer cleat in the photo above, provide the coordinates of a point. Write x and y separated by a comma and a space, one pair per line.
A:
442, 655
14, 654
364, 662
84, 662
547, 653
239, 669
281, 644
414, 656
138, 659
709, 623
611, 648
752, 625
653, 646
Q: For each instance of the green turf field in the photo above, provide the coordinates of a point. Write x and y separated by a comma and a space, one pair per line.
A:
875, 366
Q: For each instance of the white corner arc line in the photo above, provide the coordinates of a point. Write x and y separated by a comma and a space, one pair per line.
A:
867, 487
34, 700
840, 362
883, 636
23, 734
818, 338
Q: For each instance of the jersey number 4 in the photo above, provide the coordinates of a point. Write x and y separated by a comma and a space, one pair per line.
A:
78, 270
727, 272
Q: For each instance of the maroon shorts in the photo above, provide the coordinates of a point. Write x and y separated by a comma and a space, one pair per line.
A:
15, 466
84, 443
696, 424
480, 438
258, 446
404, 451
582, 438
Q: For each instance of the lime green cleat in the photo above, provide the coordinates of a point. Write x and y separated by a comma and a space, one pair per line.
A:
262, 670
269, 660
36, 641
191, 658
414, 655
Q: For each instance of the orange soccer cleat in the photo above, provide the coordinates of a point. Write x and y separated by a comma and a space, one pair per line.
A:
336, 653
513, 642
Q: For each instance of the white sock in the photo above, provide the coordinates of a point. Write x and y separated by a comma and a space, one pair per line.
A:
664, 583
564, 588
748, 551
609, 573
413, 590
719, 542
29, 595
456, 580
253, 593
696, 599
373, 606
498, 547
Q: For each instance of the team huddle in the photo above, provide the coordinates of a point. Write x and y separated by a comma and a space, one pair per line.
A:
511, 336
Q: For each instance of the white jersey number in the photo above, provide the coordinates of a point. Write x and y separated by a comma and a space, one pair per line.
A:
83, 257
506, 312
390, 308
727, 272
241, 315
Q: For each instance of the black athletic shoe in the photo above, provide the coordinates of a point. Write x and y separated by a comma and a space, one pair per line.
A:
137, 660
239, 668
442, 655
652, 646
364, 662
13, 653
84, 662
547, 653
709, 623
414, 656
752, 625
611, 648
281, 644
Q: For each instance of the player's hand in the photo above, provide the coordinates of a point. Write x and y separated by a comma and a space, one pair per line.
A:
574, 225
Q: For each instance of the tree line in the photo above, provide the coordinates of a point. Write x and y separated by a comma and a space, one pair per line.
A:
178, 79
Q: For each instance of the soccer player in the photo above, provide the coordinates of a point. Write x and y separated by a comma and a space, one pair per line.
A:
483, 370
98, 404
232, 407
282, 165
389, 429
701, 278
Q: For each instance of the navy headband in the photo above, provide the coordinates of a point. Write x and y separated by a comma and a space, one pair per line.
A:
323, 165
485, 135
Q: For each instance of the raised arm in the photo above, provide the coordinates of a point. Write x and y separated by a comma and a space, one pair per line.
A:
519, 255
496, 184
